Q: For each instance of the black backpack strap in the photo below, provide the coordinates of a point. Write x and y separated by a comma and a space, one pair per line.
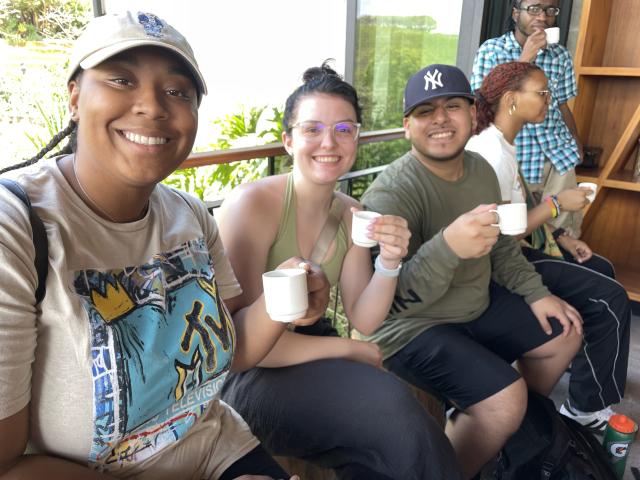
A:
40, 243
554, 457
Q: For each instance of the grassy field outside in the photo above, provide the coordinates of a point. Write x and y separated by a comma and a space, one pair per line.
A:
31, 76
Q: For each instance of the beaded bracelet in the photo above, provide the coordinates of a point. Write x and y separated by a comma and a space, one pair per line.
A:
556, 202
554, 205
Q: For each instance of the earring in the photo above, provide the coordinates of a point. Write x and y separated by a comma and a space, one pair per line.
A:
512, 109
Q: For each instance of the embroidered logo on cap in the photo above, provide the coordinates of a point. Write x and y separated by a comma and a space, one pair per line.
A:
152, 25
433, 80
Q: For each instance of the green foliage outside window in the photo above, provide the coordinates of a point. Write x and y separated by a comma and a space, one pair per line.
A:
248, 127
388, 51
22, 20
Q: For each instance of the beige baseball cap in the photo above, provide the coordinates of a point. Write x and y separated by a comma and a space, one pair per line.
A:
111, 34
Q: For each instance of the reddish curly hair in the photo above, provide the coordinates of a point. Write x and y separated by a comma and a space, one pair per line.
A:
506, 77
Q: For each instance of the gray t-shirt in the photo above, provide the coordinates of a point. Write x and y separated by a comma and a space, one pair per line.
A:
124, 358
435, 286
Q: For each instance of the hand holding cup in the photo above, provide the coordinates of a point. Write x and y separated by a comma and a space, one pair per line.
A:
473, 234
591, 196
574, 199
297, 291
391, 232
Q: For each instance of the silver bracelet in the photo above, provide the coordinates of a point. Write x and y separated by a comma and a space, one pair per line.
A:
386, 272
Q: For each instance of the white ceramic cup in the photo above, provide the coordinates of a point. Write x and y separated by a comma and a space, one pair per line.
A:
553, 35
285, 294
512, 218
592, 196
360, 221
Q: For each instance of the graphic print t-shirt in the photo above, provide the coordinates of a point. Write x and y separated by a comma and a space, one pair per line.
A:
161, 342
135, 341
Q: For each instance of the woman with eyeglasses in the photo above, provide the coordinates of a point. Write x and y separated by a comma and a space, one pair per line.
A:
318, 396
511, 95
547, 151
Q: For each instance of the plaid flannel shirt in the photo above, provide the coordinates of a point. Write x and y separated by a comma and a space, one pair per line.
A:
550, 139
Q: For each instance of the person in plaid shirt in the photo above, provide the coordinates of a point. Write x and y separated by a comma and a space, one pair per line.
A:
549, 151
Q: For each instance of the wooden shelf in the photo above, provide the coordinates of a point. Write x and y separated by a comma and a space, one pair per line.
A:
631, 281
609, 71
607, 114
584, 174
623, 180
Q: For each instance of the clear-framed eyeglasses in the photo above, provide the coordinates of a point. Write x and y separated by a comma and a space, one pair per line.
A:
315, 131
534, 10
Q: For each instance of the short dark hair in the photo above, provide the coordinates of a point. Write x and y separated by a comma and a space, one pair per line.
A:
322, 79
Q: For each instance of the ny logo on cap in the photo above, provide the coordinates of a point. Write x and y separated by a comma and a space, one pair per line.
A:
152, 25
433, 80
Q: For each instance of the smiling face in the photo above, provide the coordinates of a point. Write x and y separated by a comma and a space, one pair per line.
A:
325, 158
526, 24
532, 99
439, 129
137, 116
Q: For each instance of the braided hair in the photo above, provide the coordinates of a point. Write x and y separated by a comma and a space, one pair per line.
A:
322, 79
68, 131
506, 77
510, 24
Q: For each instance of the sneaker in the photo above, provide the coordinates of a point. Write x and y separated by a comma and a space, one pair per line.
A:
594, 421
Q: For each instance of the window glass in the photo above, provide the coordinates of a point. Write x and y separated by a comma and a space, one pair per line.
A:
252, 53
393, 41
35, 40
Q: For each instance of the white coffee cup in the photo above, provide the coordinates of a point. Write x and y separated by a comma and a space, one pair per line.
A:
512, 218
553, 35
285, 294
592, 196
360, 222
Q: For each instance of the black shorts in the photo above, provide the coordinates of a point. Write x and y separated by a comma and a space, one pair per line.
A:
465, 363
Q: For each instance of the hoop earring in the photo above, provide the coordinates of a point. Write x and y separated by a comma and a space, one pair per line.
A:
512, 109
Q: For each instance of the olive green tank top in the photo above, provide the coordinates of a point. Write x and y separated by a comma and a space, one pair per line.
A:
286, 243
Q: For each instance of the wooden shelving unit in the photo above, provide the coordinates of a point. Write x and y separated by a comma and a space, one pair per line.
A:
607, 112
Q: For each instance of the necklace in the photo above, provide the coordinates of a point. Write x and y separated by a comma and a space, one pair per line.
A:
87, 196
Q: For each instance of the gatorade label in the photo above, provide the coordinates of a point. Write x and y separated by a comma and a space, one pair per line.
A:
618, 449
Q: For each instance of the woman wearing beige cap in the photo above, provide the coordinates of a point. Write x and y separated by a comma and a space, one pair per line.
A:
115, 371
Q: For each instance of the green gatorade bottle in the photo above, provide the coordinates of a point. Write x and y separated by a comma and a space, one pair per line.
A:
618, 436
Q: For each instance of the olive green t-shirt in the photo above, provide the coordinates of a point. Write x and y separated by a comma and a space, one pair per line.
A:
435, 286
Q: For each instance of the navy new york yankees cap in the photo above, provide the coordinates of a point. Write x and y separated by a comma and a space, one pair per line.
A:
435, 81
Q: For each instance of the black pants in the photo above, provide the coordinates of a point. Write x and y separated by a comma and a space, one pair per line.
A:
362, 422
256, 462
599, 370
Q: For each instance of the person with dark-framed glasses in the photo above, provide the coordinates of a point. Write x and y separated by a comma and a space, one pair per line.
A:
537, 9
549, 151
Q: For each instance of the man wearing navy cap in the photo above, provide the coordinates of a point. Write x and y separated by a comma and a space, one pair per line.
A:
468, 304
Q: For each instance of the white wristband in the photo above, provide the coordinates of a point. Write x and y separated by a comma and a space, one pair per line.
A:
386, 272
